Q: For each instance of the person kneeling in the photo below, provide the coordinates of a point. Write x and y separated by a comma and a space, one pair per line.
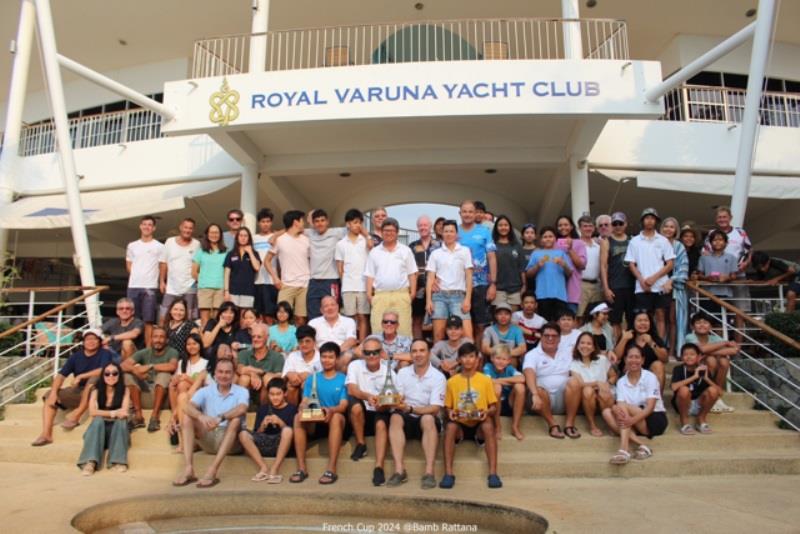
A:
471, 403
272, 433
327, 388
213, 419
694, 393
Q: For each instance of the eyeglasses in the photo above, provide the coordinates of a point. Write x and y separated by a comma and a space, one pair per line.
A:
124, 307
234, 219
376, 352
112, 373
389, 321
617, 223
550, 336
603, 224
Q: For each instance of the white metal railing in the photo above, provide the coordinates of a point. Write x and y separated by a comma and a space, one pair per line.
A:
448, 40
117, 127
700, 103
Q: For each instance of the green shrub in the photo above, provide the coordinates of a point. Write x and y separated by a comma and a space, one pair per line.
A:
10, 341
789, 325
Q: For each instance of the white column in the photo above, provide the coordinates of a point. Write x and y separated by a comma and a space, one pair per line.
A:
55, 91
16, 104
752, 104
258, 44
249, 195
579, 187
573, 47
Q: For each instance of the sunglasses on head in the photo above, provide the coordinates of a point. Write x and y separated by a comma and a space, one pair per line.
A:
111, 373
389, 321
375, 352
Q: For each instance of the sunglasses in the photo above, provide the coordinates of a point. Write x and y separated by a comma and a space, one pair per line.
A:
372, 352
112, 373
389, 321
234, 219
124, 307
617, 223
603, 224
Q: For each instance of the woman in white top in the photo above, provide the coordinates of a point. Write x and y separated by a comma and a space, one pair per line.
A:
451, 275
639, 410
191, 375
601, 331
596, 375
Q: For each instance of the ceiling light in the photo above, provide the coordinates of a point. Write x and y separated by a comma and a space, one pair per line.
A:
591, 3
122, 42
750, 13
344, 174
490, 171
419, 6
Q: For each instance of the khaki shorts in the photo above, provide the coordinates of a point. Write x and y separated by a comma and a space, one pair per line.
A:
355, 303
162, 379
209, 299
398, 301
211, 440
243, 301
296, 297
591, 293
70, 398
512, 299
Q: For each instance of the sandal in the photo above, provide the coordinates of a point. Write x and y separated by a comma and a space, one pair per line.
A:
622, 457
643, 453
703, 428
205, 483
275, 479
261, 476
298, 476
69, 424
687, 430
328, 477
184, 481
41, 442
572, 432
557, 434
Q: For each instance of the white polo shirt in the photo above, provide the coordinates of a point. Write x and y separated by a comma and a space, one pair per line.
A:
343, 329
551, 373
296, 364
650, 254
370, 382
568, 341
390, 269
450, 267
428, 390
354, 257
637, 394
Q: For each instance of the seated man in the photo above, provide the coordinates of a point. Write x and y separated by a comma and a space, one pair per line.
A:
332, 326
395, 345
272, 433
444, 354
774, 271
509, 388
150, 370
300, 363
365, 378
423, 390
258, 365
716, 354
529, 321
546, 370
332, 395
213, 419
694, 393
124, 334
505, 332
470, 390
85, 364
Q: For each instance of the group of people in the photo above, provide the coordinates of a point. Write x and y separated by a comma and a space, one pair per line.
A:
471, 322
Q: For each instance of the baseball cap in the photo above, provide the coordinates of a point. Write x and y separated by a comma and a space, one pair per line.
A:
454, 321
502, 306
618, 216
650, 211
93, 332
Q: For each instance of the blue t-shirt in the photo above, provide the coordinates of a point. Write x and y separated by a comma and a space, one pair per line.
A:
331, 391
551, 282
286, 341
213, 404
479, 241
490, 371
78, 363
513, 337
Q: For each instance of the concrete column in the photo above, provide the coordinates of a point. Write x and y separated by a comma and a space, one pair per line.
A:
258, 44
579, 187
16, 103
55, 92
752, 112
573, 46
249, 195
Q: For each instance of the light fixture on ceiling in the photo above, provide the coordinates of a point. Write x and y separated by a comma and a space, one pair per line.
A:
490, 171
344, 174
591, 3
122, 42
419, 6
750, 13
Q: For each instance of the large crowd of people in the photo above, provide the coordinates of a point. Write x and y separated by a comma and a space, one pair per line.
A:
333, 333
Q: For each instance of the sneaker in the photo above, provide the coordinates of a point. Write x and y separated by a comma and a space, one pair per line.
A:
428, 482
378, 477
397, 479
721, 407
88, 469
137, 423
153, 426
359, 452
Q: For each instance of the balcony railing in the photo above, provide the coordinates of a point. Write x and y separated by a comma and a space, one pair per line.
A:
455, 40
95, 130
699, 103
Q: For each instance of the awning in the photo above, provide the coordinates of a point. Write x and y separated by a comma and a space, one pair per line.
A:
50, 211
770, 187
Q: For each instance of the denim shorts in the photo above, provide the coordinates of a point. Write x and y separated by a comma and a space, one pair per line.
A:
447, 303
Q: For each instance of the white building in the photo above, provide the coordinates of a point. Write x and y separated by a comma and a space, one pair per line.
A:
514, 102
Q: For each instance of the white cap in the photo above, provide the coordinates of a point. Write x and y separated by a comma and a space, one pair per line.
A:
602, 307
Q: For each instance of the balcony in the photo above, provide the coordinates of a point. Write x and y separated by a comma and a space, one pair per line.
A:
699, 103
454, 40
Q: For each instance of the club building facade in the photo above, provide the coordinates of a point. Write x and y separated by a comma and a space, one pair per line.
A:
191, 107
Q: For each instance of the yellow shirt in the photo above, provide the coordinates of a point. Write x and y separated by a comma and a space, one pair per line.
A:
482, 392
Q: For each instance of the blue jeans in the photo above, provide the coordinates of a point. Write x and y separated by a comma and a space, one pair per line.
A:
447, 303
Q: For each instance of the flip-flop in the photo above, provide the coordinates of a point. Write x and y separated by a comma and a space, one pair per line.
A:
275, 479
69, 424
298, 476
328, 477
41, 442
555, 436
260, 477
184, 482
210, 483
572, 432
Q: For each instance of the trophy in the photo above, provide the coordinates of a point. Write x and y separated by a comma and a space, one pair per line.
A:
312, 413
467, 410
389, 397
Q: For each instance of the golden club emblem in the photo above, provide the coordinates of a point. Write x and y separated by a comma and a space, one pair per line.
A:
224, 109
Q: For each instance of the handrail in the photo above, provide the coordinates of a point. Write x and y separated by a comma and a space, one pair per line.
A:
52, 311
783, 338
46, 289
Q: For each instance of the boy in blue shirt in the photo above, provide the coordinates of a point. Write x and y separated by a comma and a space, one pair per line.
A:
504, 332
509, 387
332, 394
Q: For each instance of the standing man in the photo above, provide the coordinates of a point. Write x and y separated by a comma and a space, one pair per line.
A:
266, 292
617, 279
235, 218
422, 249
391, 275
143, 262
478, 239
591, 288
176, 271
351, 259
603, 223
378, 216
324, 274
650, 257
293, 252
423, 389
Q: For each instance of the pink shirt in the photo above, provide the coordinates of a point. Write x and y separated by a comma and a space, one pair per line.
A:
574, 282
293, 254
